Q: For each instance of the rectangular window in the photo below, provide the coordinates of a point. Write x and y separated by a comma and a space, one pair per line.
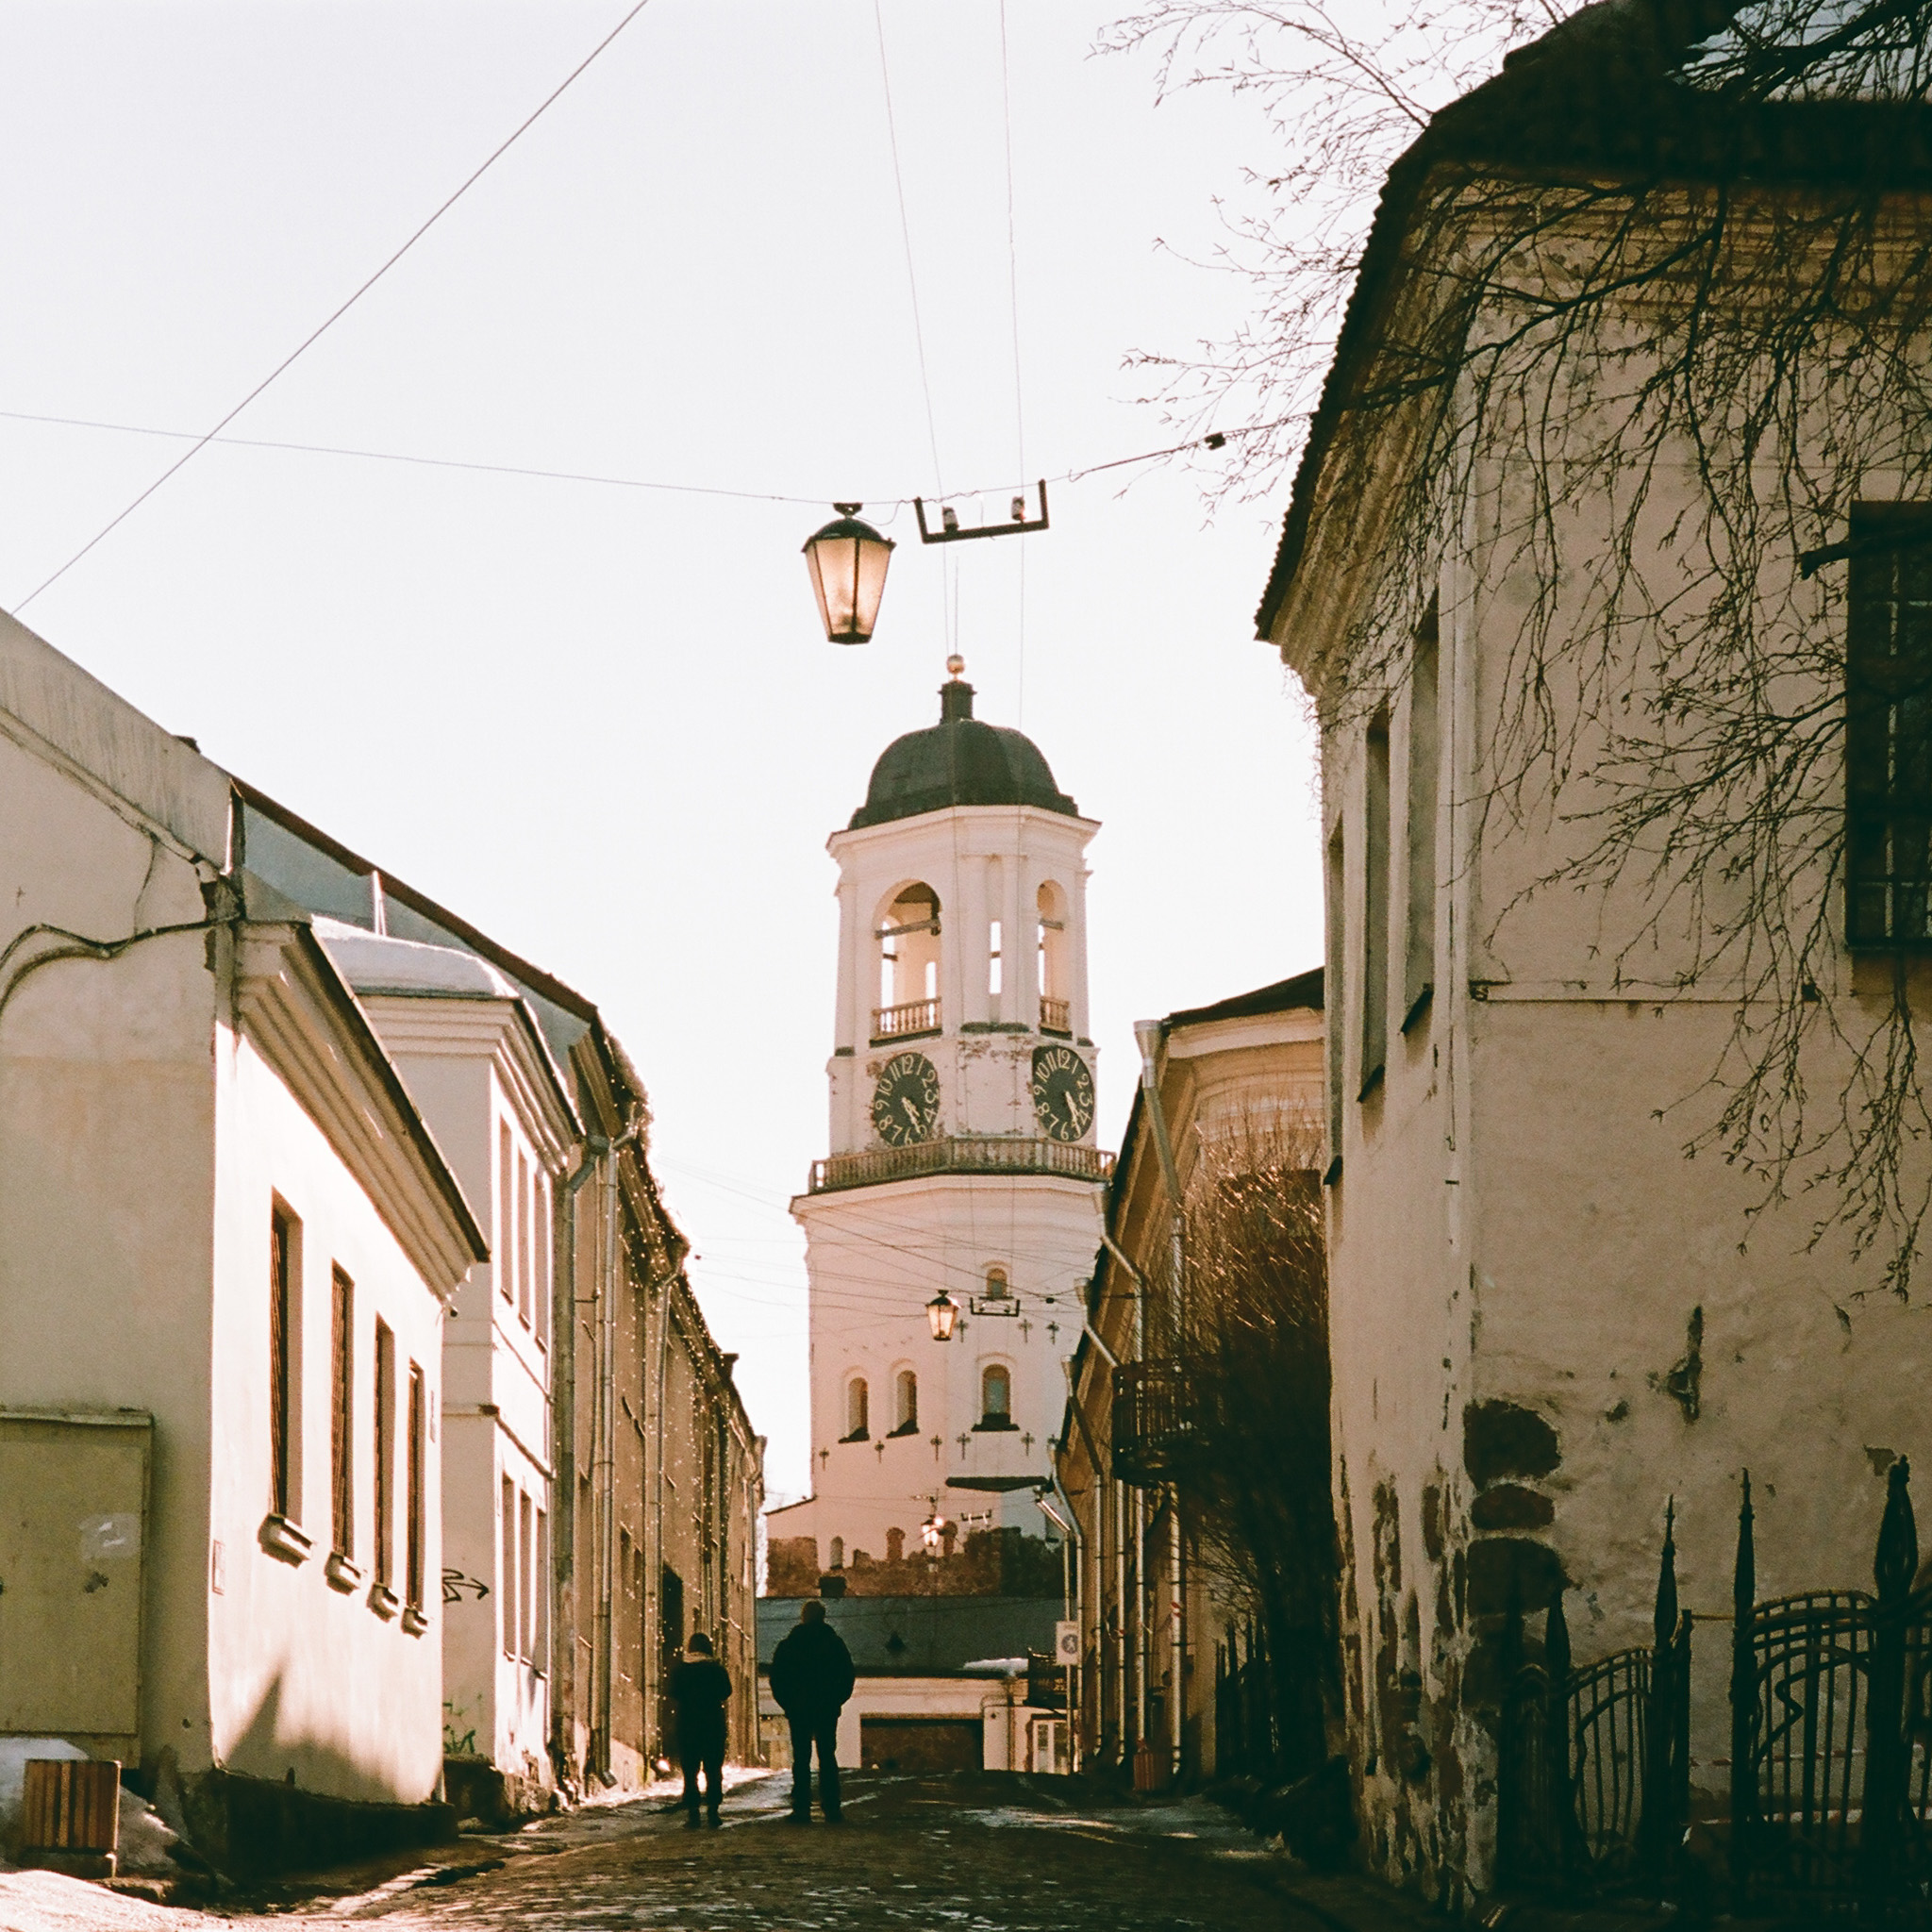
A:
385, 1454
523, 1282
992, 971
1889, 727
1333, 998
506, 1213
1376, 908
540, 1592
506, 1567
545, 1235
341, 1416
527, 1582
1424, 761
284, 1420
417, 1527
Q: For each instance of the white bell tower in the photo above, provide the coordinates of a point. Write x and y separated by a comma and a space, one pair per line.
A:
962, 1162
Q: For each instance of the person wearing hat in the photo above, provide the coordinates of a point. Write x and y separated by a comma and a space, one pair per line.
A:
699, 1686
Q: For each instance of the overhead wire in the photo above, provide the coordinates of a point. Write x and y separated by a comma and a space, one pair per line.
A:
316, 334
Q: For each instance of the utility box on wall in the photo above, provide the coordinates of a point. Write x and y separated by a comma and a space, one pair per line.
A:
74, 1504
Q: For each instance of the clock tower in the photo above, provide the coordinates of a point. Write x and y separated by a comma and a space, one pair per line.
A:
962, 1168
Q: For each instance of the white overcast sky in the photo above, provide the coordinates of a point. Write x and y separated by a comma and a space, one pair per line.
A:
602, 723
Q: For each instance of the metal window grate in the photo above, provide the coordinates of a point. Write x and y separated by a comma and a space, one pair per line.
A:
1889, 727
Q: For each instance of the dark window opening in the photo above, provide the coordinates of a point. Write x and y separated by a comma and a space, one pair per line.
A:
1889, 727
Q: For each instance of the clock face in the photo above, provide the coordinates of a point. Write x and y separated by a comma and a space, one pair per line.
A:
906, 1103
1062, 1091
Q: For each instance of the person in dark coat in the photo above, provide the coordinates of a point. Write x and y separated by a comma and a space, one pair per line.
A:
699, 1686
811, 1677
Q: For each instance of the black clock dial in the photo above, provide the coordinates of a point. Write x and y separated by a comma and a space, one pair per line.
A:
906, 1102
1062, 1091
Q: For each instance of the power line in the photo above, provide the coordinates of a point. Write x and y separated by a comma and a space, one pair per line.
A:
309, 342
1214, 440
878, 20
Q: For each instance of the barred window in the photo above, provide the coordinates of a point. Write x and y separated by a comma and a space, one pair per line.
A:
1889, 727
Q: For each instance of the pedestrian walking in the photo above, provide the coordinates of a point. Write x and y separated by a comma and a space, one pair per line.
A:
699, 1686
811, 1678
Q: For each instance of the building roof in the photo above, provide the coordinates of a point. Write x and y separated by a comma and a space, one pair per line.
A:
1615, 92
373, 962
1284, 996
960, 761
922, 1636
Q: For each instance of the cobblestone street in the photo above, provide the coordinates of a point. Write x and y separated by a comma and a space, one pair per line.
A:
962, 1853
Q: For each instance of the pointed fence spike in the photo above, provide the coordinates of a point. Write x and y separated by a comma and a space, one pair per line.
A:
1664, 1617
1895, 1563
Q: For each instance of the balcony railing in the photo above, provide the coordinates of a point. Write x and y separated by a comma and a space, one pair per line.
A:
1055, 1016
1154, 1423
904, 1022
960, 1154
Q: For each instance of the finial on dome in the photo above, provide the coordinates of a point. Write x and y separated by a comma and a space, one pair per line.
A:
956, 695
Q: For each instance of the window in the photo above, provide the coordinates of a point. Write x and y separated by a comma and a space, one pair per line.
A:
545, 1234
858, 1420
1889, 727
1056, 998
905, 1391
539, 1592
1333, 976
527, 1592
523, 1282
506, 1213
417, 1527
385, 1454
838, 1553
908, 937
507, 1568
995, 1397
992, 975
284, 1359
1376, 908
996, 1288
341, 1417
1424, 760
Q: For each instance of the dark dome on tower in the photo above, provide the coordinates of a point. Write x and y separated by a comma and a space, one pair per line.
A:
959, 761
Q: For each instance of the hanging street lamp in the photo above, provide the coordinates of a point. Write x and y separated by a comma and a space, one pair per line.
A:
847, 561
942, 1312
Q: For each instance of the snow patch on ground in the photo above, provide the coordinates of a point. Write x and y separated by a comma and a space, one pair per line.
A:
49, 1901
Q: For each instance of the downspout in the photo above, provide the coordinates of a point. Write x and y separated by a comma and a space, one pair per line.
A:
563, 1421
607, 1453
1148, 1034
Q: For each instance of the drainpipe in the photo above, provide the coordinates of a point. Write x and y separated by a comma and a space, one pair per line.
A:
564, 1422
1147, 1033
604, 1662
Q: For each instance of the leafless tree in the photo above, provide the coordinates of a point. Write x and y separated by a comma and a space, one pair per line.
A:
1249, 1334
1665, 288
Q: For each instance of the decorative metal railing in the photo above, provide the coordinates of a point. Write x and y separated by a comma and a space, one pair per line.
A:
1594, 1779
1154, 1422
960, 1154
903, 1022
1055, 1016
1831, 1735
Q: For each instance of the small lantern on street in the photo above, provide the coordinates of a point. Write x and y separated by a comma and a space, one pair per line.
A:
943, 1312
847, 561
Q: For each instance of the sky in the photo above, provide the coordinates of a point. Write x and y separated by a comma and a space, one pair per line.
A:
602, 723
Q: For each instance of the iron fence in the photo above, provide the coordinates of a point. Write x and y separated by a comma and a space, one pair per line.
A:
1831, 1735
1594, 1773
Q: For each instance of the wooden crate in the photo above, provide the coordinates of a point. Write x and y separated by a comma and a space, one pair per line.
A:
71, 1805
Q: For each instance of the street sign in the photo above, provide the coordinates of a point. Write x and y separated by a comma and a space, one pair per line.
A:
1066, 1644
